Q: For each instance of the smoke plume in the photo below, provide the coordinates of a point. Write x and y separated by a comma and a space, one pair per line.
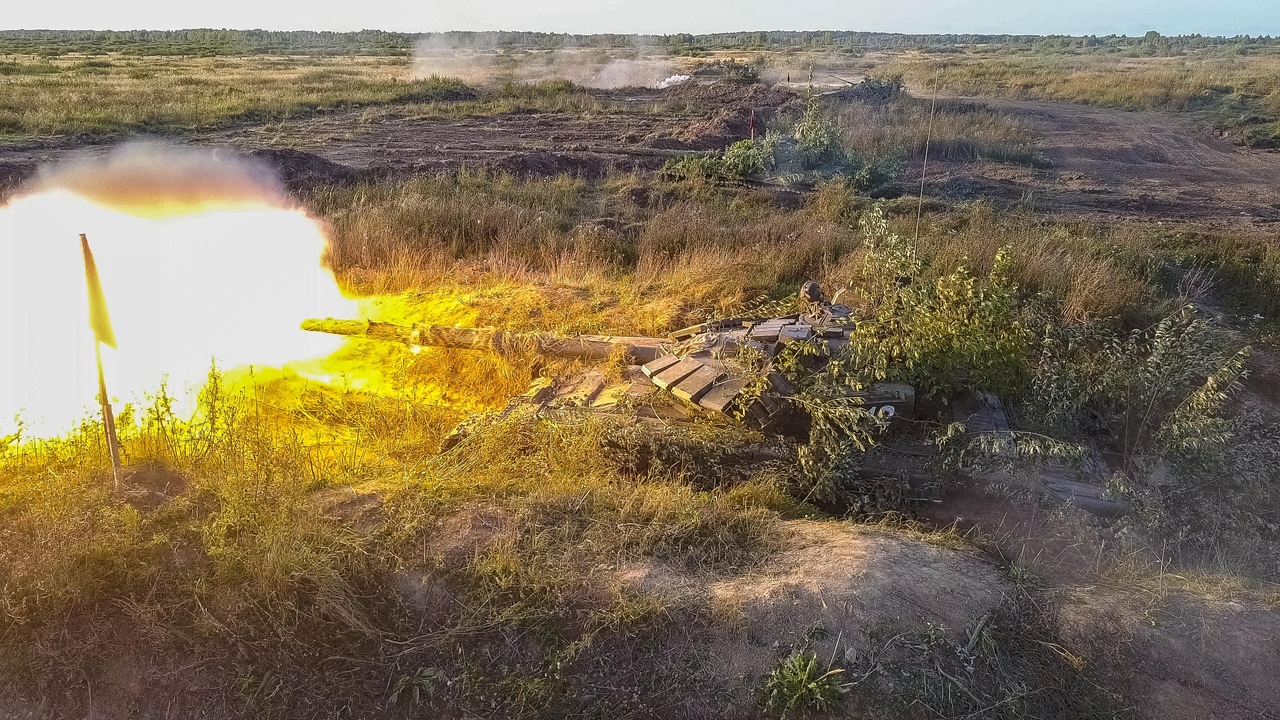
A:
153, 178
478, 58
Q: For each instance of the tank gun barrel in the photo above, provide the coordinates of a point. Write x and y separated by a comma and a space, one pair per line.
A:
503, 342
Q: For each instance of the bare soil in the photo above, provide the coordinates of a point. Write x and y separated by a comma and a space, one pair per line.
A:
1122, 163
639, 130
1183, 651
1105, 162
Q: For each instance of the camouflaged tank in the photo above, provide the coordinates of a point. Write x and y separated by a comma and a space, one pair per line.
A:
717, 368
705, 368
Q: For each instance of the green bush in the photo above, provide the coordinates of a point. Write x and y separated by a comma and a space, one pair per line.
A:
1199, 477
746, 159
817, 137
701, 167
799, 686
959, 332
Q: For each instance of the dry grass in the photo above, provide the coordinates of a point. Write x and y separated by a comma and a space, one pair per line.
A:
107, 94
1236, 93
1179, 82
280, 519
288, 525
960, 131
300, 522
564, 255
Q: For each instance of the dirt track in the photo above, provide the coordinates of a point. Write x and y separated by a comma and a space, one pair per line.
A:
1106, 162
535, 143
1116, 162
634, 129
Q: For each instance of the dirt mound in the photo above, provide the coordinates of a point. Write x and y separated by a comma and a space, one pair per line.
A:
841, 589
733, 95
734, 110
856, 581
868, 91
722, 128
547, 164
301, 170
1186, 657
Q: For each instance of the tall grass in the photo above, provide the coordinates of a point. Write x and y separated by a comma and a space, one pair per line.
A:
1179, 82
960, 131
633, 255
279, 524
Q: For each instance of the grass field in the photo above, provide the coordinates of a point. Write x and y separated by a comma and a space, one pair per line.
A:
107, 94
1236, 93
289, 523
296, 549
70, 91
291, 520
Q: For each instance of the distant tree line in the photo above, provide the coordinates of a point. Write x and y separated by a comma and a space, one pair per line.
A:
377, 42
206, 42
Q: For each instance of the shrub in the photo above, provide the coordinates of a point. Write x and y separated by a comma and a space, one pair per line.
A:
959, 332
701, 167
746, 158
1199, 477
436, 88
798, 686
816, 136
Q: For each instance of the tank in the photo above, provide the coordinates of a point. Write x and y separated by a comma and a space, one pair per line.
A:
725, 368
705, 368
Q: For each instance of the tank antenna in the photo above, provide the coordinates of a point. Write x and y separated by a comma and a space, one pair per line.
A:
928, 138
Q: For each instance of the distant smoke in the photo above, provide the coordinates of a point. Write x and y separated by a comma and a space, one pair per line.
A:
477, 58
673, 80
153, 178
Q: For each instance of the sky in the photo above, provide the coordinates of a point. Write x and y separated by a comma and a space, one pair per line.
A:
1038, 17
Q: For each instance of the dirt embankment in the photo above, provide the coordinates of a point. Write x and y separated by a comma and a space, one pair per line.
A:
911, 624
638, 130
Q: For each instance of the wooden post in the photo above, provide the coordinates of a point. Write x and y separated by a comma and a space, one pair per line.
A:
108, 417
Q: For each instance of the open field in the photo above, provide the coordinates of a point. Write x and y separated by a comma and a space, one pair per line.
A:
105, 94
1090, 247
1233, 93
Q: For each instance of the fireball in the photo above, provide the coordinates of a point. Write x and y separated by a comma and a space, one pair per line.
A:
202, 260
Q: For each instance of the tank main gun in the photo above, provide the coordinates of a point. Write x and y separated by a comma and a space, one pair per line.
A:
637, 350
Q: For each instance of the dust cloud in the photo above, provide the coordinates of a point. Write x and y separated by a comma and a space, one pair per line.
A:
153, 178
479, 58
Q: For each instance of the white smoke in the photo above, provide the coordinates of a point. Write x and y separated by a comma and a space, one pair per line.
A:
154, 177
478, 58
